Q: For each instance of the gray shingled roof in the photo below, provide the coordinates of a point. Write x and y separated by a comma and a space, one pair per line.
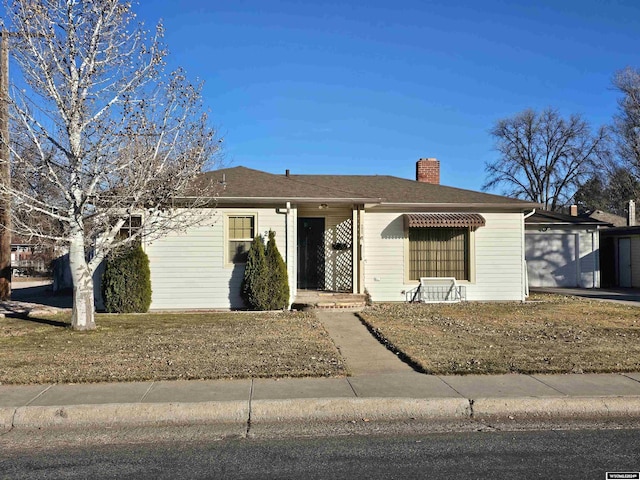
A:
242, 184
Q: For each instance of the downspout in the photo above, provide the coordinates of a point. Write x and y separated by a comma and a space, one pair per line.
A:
286, 249
596, 257
529, 214
286, 235
593, 251
525, 273
286, 213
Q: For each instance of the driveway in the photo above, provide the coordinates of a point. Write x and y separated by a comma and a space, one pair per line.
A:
630, 296
39, 292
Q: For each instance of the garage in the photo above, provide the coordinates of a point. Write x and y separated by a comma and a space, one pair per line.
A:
562, 250
551, 260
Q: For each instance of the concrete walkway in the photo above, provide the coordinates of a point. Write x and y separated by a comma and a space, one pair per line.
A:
362, 353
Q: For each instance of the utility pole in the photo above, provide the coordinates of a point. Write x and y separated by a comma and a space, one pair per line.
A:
5, 171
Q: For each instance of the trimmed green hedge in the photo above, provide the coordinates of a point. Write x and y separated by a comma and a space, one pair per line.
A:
255, 291
266, 284
278, 284
126, 282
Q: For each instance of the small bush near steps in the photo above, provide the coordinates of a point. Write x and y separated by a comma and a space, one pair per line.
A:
278, 277
266, 282
255, 288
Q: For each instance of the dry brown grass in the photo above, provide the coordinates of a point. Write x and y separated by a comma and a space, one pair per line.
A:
167, 346
552, 334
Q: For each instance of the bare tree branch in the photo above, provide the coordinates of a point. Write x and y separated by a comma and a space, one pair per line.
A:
627, 121
544, 157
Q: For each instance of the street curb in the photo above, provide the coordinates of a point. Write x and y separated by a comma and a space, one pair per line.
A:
554, 407
239, 415
6, 417
132, 414
340, 409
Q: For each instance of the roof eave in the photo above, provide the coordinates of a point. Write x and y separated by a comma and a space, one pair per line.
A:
559, 222
509, 206
298, 200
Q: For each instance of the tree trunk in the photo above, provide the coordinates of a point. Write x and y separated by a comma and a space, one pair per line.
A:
83, 315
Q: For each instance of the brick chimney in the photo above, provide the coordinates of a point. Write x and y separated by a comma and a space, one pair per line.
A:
631, 220
574, 210
428, 171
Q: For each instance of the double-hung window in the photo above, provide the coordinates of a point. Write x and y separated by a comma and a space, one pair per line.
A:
131, 227
241, 230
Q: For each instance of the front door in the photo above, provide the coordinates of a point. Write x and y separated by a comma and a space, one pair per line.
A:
311, 253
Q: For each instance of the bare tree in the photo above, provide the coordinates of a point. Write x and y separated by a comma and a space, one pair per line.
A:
544, 157
627, 121
101, 132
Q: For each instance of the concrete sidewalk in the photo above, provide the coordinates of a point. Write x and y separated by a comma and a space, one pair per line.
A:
389, 396
381, 388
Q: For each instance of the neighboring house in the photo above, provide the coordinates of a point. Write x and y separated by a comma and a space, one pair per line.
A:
345, 233
606, 217
562, 250
620, 249
621, 245
30, 258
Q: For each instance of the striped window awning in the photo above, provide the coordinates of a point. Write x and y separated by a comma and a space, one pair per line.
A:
421, 220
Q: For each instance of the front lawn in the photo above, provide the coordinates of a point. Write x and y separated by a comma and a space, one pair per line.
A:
166, 347
551, 334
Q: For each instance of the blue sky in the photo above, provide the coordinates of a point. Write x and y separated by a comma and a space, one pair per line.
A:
368, 87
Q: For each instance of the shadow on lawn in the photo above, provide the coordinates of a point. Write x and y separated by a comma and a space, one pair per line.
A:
21, 315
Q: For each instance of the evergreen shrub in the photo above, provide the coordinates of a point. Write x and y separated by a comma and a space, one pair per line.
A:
126, 281
265, 285
254, 285
278, 277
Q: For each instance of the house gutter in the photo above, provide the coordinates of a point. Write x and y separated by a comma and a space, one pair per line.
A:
458, 206
298, 200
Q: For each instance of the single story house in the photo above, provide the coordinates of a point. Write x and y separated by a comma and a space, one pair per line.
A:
563, 250
345, 233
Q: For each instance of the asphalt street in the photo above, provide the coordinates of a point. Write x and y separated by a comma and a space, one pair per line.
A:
556, 454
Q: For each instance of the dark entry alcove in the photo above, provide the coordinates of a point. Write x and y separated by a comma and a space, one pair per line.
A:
311, 253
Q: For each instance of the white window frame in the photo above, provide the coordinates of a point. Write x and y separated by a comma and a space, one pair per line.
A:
228, 262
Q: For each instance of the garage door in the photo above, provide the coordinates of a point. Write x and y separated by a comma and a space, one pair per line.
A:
551, 260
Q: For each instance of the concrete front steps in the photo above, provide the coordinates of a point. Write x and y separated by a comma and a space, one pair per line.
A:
325, 300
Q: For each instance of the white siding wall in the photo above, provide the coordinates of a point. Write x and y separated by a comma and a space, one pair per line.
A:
383, 255
499, 258
498, 255
188, 269
587, 270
